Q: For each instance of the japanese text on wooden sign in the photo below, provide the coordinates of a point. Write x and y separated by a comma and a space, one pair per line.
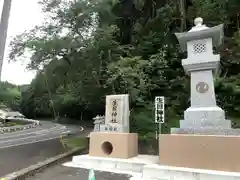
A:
159, 109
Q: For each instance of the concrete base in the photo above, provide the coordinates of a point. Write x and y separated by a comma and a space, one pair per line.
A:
206, 117
145, 167
206, 131
200, 152
126, 166
158, 172
123, 145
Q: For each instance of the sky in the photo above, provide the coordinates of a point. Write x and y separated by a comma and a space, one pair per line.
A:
25, 14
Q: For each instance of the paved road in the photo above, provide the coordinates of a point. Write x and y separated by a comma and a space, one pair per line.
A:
19, 157
21, 149
46, 131
59, 172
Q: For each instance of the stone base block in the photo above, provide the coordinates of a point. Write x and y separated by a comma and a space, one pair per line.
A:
114, 145
206, 131
200, 152
159, 172
114, 128
221, 124
125, 166
206, 117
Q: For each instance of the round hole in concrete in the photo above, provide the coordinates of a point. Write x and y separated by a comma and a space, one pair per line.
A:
107, 148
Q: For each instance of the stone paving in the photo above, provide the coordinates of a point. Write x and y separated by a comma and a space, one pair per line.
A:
60, 172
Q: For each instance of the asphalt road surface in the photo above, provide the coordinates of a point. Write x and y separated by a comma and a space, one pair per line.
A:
21, 149
46, 131
18, 157
60, 172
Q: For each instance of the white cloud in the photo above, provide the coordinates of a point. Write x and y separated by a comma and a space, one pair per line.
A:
25, 14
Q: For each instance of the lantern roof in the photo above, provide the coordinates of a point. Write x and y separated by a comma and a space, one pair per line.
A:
201, 31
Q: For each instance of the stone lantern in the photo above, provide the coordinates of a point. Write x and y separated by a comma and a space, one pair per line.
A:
210, 143
203, 114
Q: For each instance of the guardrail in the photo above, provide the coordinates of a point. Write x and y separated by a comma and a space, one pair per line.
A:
34, 123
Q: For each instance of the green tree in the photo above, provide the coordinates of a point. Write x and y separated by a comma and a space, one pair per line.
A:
88, 49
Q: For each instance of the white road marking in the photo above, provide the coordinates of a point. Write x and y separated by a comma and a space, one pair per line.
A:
36, 132
24, 131
26, 143
51, 129
29, 137
81, 129
2, 147
57, 128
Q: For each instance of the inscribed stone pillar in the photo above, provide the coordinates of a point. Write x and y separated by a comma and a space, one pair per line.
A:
116, 114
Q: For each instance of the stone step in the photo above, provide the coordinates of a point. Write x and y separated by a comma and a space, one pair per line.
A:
134, 164
159, 172
206, 131
226, 124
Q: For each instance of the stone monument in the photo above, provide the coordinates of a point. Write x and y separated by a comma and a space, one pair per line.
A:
116, 114
114, 148
203, 116
114, 139
203, 140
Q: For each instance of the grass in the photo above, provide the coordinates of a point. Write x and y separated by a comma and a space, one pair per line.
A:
73, 142
15, 123
235, 122
10, 124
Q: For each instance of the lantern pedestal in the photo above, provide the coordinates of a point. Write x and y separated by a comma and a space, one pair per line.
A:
195, 157
200, 151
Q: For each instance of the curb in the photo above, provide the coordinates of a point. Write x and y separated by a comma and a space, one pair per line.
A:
23, 173
34, 123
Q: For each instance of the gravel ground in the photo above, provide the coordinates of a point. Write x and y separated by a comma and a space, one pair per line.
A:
60, 172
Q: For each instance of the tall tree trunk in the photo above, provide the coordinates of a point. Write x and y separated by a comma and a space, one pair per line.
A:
182, 7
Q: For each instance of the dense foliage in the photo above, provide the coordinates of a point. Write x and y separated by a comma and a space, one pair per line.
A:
87, 49
10, 96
